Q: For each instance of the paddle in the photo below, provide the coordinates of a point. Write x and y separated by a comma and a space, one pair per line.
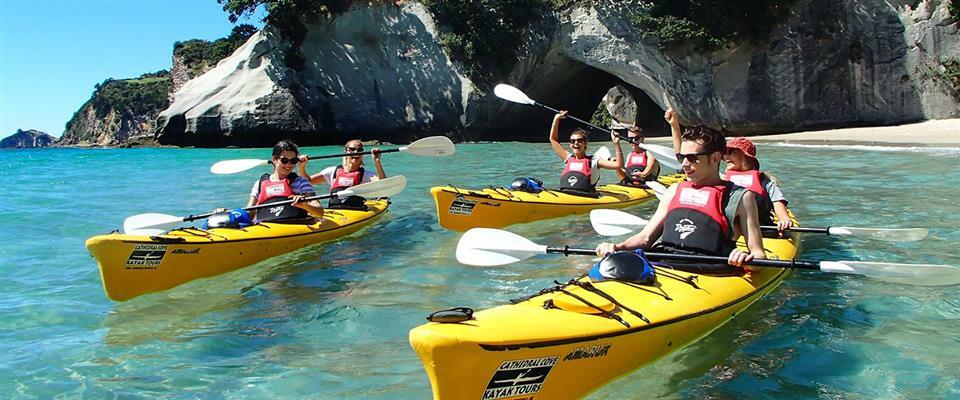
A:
488, 247
616, 223
155, 223
665, 155
432, 146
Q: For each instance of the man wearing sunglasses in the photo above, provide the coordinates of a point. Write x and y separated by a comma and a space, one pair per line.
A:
283, 185
349, 173
705, 214
640, 166
581, 171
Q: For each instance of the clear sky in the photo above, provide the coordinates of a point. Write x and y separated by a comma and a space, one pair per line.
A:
52, 52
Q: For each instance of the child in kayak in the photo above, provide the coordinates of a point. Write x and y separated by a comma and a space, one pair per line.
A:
703, 215
283, 185
639, 166
743, 168
582, 171
349, 173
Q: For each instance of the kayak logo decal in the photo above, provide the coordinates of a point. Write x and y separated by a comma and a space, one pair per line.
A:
146, 256
462, 206
519, 377
685, 227
185, 251
594, 351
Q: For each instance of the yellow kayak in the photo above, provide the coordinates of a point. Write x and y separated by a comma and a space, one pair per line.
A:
554, 346
134, 265
460, 209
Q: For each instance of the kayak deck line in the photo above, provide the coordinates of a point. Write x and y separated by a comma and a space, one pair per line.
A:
533, 345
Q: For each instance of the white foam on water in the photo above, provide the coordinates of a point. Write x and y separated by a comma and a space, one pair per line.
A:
938, 151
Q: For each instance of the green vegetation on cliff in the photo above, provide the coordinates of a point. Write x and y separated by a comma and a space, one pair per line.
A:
146, 94
952, 73
199, 55
710, 25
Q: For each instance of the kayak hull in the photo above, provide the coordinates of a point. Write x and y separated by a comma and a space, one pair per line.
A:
553, 346
134, 265
461, 209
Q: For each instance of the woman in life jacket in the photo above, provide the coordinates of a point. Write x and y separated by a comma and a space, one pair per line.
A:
283, 184
639, 165
704, 214
581, 171
743, 168
349, 173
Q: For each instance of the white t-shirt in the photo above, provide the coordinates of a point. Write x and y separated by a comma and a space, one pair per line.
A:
328, 172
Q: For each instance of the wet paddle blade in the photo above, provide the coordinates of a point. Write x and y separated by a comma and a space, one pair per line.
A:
663, 154
433, 146
488, 247
614, 222
657, 188
602, 153
150, 224
234, 166
889, 235
380, 188
510, 93
911, 274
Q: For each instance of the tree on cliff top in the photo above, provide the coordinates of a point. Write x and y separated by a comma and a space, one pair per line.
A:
199, 54
282, 10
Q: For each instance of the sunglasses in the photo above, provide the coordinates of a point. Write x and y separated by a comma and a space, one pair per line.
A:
293, 161
354, 149
692, 157
578, 140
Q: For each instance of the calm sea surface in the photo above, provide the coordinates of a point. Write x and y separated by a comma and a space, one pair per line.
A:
331, 321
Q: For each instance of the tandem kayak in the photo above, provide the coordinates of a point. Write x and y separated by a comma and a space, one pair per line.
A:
555, 346
134, 265
460, 209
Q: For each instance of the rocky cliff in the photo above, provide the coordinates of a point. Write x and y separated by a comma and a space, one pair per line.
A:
26, 139
119, 113
377, 71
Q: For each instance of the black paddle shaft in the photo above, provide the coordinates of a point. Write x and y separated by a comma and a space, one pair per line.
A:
795, 264
587, 123
257, 207
346, 154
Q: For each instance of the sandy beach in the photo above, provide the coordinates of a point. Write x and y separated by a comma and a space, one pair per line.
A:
944, 132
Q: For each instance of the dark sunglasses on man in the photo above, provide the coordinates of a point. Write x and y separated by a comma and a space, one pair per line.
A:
692, 157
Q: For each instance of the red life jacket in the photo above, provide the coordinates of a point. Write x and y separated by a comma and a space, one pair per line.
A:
754, 181
699, 220
636, 162
577, 174
343, 180
272, 192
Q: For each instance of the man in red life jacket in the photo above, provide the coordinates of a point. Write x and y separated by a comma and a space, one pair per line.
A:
704, 214
283, 185
349, 173
640, 166
581, 171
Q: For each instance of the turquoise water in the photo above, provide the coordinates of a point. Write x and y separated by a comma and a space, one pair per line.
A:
331, 321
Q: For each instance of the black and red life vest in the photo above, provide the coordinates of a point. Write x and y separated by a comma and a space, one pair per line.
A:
701, 219
343, 180
272, 192
754, 181
577, 174
636, 163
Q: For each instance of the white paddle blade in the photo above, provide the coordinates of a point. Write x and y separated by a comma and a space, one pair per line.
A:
658, 189
150, 224
614, 222
487, 247
889, 235
603, 153
911, 274
663, 154
234, 166
510, 93
434, 146
380, 188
